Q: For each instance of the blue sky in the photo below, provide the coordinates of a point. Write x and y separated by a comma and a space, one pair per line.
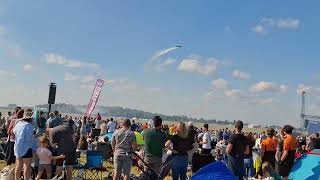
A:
240, 59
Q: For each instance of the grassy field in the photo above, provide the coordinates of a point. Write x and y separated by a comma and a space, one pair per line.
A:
107, 164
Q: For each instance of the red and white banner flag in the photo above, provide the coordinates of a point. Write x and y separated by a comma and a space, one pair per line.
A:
94, 97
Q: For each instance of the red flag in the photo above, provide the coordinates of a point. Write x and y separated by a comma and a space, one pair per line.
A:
94, 97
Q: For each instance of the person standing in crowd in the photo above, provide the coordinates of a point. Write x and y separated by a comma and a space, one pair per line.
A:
112, 126
10, 157
237, 148
263, 136
8, 118
55, 121
104, 128
71, 125
226, 134
24, 145
51, 116
289, 149
77, 122
2, 126
155, 140
248, 159
179, 145
98, 121
123, 143
269, 149
83, 128
41, 123
314, 142
61, 137
206, 140
280, 138
192, 135
134, 126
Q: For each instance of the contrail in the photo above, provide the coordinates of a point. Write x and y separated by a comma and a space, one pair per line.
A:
160, 53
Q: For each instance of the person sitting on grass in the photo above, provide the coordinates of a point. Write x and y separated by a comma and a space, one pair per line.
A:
45, 157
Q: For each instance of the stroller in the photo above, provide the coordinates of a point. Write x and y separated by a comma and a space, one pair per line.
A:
147, 174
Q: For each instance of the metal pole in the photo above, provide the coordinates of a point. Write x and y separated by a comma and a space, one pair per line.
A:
303, 106
49, 110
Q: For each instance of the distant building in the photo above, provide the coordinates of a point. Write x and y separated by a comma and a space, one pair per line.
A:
12, 106
253, 126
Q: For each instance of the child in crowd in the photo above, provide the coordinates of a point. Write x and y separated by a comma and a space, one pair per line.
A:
45, 157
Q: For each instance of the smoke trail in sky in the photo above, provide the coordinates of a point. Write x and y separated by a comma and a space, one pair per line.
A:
162, 52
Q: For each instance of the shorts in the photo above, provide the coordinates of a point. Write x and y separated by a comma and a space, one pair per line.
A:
236, 165
70, 159
28, 154
122, 164
46, 167
285, 169
153, 162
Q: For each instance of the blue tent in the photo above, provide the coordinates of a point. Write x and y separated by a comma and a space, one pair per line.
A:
214, 171
307, 167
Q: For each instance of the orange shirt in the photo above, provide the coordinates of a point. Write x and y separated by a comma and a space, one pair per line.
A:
269, 144
290, 143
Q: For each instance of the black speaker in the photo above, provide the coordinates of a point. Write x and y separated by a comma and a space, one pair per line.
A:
52, 94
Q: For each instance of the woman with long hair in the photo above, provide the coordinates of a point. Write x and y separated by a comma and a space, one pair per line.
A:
24, 145
10, 157
83, 129
179, 145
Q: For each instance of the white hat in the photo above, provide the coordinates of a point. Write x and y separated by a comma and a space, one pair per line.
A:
190, 123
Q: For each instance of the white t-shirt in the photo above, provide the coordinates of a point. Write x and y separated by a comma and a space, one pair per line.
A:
111, 126
206, 137
44, 155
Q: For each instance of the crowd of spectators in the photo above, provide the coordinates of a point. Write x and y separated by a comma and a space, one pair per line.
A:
267, 155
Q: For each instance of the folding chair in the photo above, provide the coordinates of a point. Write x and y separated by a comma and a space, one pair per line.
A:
94, 169
105, 148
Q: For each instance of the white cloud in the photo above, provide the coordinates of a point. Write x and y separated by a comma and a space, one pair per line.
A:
268, 87
308, 89
83, 79
193, 64
288, 23
220, 83
236, 94
52, 58
267, 24
4, 73
241, 75
28, 67
259, 29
